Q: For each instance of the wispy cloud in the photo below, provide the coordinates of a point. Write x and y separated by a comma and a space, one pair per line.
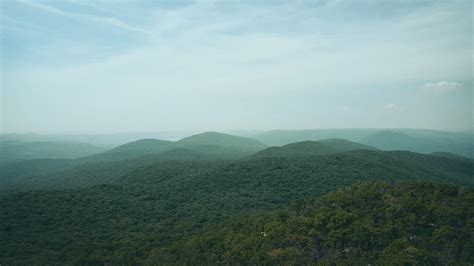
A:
391, 107
114, 22
441, 87
261, 65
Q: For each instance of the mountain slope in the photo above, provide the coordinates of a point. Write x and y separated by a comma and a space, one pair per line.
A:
319, 161
146, 145
394, 140
225, 145
415, 140
380, 223
14, 174
102, 140
13, 151
301, 171
51, 173
147, 212
342, 145
140, 212
283, 137
321, 147
224, 140
205, 146
449, 155
133, 149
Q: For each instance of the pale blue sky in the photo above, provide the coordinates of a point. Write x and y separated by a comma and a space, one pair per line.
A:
111, 66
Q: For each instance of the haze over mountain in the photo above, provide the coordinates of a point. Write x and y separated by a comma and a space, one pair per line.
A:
321, 147
219, 146
417, 140
224, 140
209, 146
169, 202
126, 66
166, 193
227, 146
12, 151
204, 146
109, 141
196, 132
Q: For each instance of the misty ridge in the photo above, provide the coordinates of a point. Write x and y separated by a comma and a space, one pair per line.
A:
236, 133
248, 197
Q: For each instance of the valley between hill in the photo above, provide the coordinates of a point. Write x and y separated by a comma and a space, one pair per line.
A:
200, 201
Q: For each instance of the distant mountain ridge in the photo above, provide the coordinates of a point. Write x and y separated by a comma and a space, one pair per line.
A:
78, 208
13, 151
143, 144
339, 157
416, 140
224, 140
204, 146
394, 140
227, 146
105, 140
320, 147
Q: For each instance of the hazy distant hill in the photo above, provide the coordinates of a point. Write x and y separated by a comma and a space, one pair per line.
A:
237, 143
74, 173
321, 147
80, 172
166, 202
416, 140
205, 146
283, 137
145, 145
393, 140
348, 166
13, 151
101, 140
225, 145
133, 149
13, 174
123, 159
449, 155
358, 163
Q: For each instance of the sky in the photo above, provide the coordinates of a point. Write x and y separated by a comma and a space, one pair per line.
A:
83, 66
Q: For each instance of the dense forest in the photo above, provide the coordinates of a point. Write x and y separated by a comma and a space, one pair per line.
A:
369, 223
189, 202
236, 132
416, 140
374, 222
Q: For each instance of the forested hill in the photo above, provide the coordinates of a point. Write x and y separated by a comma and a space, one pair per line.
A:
381, 223
321, 147
15, 151
144, 145
161, 208
415, 140
376, 223
344, 167
212, 143
224, 140
118, 161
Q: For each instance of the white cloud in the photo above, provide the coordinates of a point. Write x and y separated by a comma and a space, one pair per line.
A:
239, 59
441, 87
394, 108
346, 108
90, 18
